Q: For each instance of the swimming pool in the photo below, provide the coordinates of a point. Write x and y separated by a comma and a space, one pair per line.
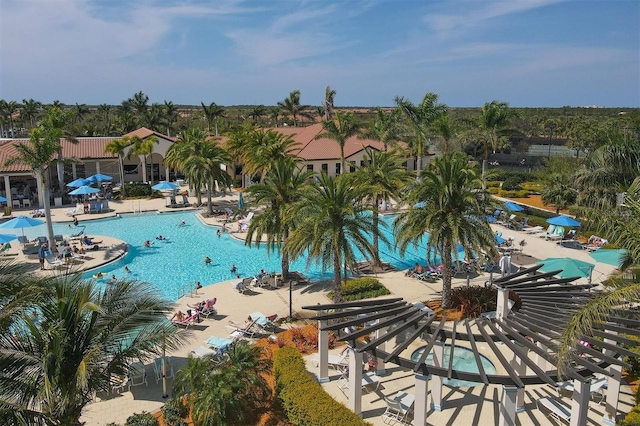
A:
463, 360
174, 263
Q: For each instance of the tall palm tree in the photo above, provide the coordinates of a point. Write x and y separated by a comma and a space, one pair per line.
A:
144, 147
256, 112
450, 211
105, 110
494, 119
211, 114
83, 335
384, 178
331, 227
340, 130
421, 117
79, 112
59, 119
281, 188
37, 154
30, 110
118, 147
170, 115
274, 114
140, 103
385, 128
445, 128
4, 117
291, 106
263, 148
327, 104
11, 108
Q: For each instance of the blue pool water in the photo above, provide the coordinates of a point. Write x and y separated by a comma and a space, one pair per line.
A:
172, 264
463, 360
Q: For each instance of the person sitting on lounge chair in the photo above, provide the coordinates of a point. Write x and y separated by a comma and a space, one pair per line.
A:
89, 241
178, 316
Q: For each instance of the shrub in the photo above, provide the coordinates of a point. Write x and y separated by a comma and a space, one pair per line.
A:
138, 189
632, 418
141, 419
493, 184
174, 412
361, 288
532, 187
303, 400
511, 184
515, 194
474, 300
634, 360
520, 177
493, 191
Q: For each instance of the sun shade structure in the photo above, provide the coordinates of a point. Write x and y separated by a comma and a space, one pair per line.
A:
84, 190
98, 178
5, 238
563, 220
165, 186
612, 257
22, 222
523, 336
566, 267
78, 183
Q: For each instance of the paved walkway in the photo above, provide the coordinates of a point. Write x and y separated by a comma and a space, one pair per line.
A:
478, 405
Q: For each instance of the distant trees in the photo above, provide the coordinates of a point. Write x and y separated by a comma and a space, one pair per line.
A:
291, 105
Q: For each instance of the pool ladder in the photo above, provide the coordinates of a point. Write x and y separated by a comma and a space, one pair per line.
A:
133, 207
189, 288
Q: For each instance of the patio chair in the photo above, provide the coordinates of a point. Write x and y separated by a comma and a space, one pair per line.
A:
337, 362
157, 368
209, 308
244, 285
187, 322
265, 322
172, 202
550, 230
185, 201
248, 328
370, 382
23, 240
52, 260
532, 229
399, 408
595, 390
425, 276
551, 407
557, 235
72, 212
137, 375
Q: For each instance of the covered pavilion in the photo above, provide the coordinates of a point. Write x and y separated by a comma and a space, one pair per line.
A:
524, 335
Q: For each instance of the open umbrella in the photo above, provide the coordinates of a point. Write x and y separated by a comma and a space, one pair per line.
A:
563, 220
569, 267
22, 222
491, 219
420, 205
240, 201
609, 256
78, 182
98, 178
3, 199
514, 207
5, 238
165, 186
84, 190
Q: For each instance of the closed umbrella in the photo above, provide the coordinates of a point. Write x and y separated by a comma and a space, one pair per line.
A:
22, 222
514, 207
84, 190
568, 267
563, 220
78, 183
609, 256
165, 186
505, 265
240, 201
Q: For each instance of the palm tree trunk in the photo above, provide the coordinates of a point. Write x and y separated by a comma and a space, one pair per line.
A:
209, 201
285, 256
446, 276
121, 161
60, 170
342, 158
376, 221
337, 282
47, 210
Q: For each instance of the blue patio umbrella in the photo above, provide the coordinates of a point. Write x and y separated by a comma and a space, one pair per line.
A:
22, 222
5, 238
609, 256
563, 220
491, 219
514, 207
568, 267
98, 178
420, 205
165, 186
240, 201
3, 200
78, 183
84, 190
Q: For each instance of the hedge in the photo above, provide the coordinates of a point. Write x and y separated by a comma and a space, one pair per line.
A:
138, 189
361, 288
303, 400
632, 418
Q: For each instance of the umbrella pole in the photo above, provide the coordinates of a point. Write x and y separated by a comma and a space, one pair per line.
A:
164, 372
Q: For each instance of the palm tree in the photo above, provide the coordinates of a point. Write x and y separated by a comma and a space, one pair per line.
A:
494, 119
37, 154
4, 118
262, 148
30, 110
421, 117
11, 108
559, 191
274, 114
83, 335
327, 105
384, 178
281, 188
56, 118
170, 115
340, 130
292, 106
621, 225
450, 211
211, 114
117, 147
257, 112
139, 102
225, 389
385, 127
79, 111
331, 226
105, 110
445, 128
144, 147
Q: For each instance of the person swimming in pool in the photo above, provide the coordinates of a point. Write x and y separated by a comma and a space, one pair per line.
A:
148, 243
207, 260
183, 223
233, 268
161, 238
112, 280
127, 270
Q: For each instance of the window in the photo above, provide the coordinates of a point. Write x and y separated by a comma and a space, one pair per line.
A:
130, 169
309, 167
337, 169
325, 167
352, 166
361, 163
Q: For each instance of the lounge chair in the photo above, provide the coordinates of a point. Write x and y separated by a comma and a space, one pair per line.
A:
209, 308
37, 213
532, 229
247, 219
185, 201
265, 322
78, 235
554, 408
187, 322
247, 329
425, 276
557, 235
23, 240
72, 212
244, 285
595, 390
137, 375
550, 231
337, 362
52, 260
493, 314
201, 351
157, 368
398, 408
5, 248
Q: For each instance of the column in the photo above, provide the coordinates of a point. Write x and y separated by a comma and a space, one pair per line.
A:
74, 172
420, 407
613, 386
436, 391
355, 381
502, 307
7, 189
97, 166
323, 352
580, 403
380, 367
508, 406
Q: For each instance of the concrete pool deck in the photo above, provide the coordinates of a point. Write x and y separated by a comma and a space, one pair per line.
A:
478, 405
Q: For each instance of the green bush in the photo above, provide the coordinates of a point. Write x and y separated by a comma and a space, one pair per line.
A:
515, 194
303, 400
532, 187
511, 184
138, 189
503, 175
634, 360
474, 300
493, 184
632, 418
173, 412
361, 288
493, 191
141, 419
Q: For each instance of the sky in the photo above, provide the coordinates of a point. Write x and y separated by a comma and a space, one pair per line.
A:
530, 53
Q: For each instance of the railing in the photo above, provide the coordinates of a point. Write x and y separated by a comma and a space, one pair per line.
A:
189, 288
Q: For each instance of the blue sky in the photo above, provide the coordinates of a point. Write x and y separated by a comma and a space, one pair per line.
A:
528, 53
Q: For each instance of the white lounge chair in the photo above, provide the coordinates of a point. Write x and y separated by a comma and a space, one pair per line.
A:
247, 329
532, 229
157, 368
398, 408
137, 375
265, 322
550, 230
554, 408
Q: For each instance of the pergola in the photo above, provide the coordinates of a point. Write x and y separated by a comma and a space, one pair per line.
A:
524, 336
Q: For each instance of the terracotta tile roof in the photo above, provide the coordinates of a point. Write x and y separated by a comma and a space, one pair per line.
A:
143, 133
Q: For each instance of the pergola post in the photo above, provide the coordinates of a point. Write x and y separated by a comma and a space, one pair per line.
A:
355, 381
74, 172
613, 385
380, 367
521, 368
508, 406
420, 408
502, 305
580, 403
436, 391
323, 352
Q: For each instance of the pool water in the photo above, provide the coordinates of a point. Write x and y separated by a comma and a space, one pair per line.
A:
463, 360
173, 264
